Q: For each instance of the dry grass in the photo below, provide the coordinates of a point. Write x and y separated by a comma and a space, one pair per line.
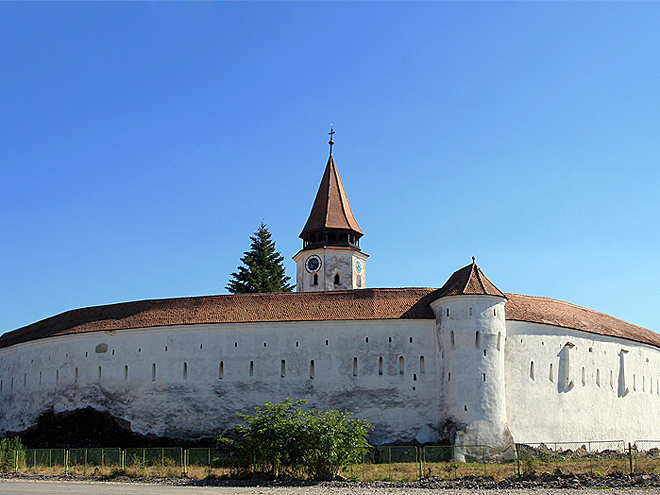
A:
403, 471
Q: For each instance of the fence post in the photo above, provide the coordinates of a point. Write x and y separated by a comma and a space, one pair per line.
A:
122, 459
389, 464
419, 451
66, 461
518, 459
16, 461
630, 457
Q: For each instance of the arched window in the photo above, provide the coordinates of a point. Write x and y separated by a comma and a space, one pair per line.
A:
337, 280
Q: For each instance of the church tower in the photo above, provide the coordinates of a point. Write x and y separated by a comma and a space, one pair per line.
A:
331, 258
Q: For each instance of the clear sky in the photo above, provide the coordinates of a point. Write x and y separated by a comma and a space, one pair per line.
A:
141, 144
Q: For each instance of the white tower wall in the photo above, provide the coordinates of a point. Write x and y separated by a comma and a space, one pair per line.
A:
472, 332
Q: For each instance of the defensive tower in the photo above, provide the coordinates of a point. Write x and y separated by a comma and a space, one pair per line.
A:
331, 258
470, 324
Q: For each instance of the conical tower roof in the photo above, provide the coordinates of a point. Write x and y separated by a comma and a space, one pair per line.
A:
331, 210
469, 280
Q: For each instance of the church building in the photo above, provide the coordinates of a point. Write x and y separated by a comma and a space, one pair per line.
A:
464, 364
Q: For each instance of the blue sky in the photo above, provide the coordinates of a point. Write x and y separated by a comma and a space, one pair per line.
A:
141, 144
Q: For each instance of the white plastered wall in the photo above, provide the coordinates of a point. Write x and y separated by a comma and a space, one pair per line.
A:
402, 403
594, 399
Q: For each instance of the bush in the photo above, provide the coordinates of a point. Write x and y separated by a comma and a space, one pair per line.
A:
284, 440
9, 447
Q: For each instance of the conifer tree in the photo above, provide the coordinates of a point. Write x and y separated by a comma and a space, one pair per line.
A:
262, 269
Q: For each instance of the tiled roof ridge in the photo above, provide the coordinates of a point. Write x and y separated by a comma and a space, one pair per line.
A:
478, 274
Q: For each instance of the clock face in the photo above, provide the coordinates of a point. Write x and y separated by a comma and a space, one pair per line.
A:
313, 263
358, 266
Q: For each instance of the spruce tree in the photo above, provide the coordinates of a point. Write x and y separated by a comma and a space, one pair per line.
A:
262, 269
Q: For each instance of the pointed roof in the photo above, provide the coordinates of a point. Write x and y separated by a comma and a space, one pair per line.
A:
469, 280
331, 209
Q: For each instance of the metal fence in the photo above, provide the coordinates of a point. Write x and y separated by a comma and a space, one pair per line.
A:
396, 463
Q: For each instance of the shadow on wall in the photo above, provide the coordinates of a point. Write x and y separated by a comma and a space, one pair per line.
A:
88, 427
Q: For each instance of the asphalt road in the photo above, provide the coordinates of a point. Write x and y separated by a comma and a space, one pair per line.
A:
13, 487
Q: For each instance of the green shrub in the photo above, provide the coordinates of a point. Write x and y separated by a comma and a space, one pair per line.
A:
284, 440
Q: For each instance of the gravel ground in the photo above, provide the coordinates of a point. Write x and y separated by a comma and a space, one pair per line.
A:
545, 484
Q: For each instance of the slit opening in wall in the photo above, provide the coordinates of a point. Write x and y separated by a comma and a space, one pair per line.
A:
57, 377
451, 338
551, 375
477, 339
153, 372
100, 373
355, 366
380, 365
125, 372
326, 342
483, 375
283, 369
221, 371
448, 377
185, 370
531, 370
40, 376
251, 368
422, 366
366, 340
75, 376
465, 408
401, 365
414, 377
411, 340
312, 370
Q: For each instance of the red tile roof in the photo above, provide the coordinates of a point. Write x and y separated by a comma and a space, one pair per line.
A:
331, 209
361, 304
469, 280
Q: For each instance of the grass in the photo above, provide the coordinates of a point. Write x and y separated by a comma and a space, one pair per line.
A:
398, 471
